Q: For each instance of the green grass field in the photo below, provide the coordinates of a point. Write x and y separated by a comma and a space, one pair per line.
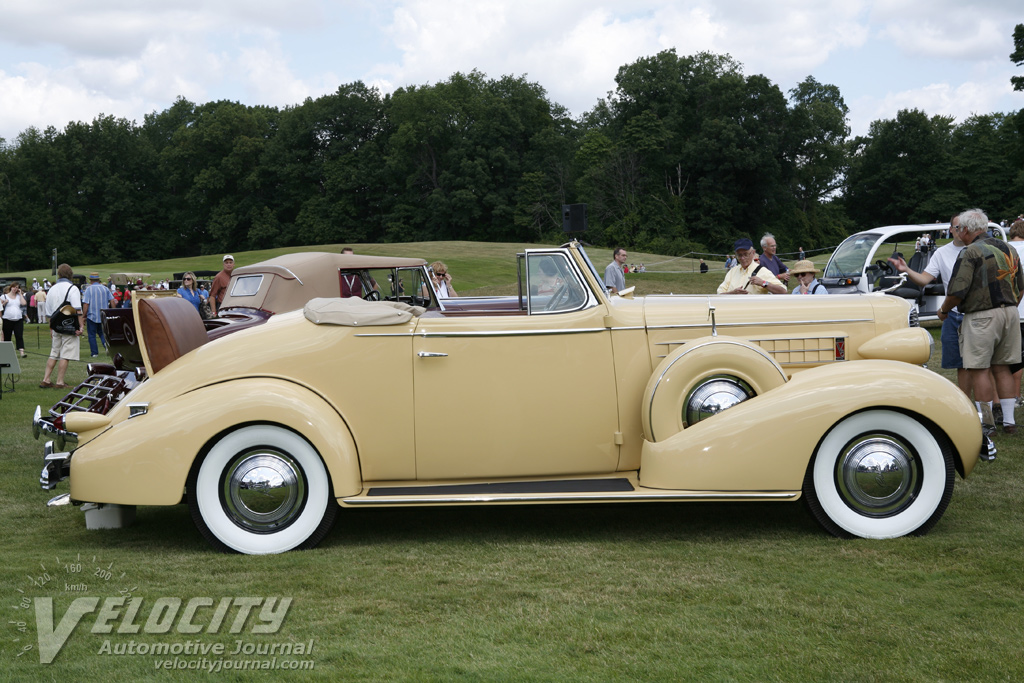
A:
668, 592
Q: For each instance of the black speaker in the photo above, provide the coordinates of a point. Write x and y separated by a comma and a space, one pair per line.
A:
574, 217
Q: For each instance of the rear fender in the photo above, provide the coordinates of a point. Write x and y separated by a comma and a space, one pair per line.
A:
145, 460
766, 443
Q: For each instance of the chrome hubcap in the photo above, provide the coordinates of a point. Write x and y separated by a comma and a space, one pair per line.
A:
714, 395
263, 490
877, 475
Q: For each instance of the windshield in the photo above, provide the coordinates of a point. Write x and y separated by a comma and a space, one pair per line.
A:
586, 259
851, 256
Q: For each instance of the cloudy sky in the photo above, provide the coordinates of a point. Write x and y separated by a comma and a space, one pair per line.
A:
71, 60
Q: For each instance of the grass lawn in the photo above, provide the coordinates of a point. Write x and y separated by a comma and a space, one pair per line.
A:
615, 592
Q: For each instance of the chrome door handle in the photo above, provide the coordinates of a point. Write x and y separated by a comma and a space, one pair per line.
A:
431, 354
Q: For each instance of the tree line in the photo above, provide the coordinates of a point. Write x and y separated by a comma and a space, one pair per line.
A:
684, 155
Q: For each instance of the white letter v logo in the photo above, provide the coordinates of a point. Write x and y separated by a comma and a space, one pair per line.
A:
50, 641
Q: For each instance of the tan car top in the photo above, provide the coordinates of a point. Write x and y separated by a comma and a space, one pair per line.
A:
291, 280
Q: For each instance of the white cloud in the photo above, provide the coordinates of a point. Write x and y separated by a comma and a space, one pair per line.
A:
936, 99
63, 60
575, 48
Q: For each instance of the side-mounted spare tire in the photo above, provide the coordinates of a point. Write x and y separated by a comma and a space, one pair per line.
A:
702, 378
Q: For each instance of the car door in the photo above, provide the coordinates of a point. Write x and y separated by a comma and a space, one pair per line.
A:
518, 393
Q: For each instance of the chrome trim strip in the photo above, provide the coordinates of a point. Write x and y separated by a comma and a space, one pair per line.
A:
783, 364
485, 333
289, 270
765, 323
385, 501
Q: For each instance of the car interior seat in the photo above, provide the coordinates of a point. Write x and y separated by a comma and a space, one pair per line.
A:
910, 289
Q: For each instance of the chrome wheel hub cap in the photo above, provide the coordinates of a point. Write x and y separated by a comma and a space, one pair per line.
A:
263, 490
714, 395
877, 475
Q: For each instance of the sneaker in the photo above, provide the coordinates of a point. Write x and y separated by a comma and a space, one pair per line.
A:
1009, 429
988, 450
1020, 401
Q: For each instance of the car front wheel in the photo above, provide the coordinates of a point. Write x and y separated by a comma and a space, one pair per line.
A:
262, 489
879, 474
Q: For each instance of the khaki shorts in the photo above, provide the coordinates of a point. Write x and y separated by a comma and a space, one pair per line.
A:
990, 337
66, 346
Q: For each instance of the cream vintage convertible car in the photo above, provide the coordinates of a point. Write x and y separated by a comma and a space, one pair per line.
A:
562, 393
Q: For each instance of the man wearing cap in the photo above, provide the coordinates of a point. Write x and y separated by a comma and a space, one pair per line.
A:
219, 287
805, 273
96, 297
749, 276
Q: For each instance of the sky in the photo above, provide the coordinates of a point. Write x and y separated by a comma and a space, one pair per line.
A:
73, 60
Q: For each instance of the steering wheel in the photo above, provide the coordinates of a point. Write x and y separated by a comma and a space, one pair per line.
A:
560, 297
373, 295
885, 268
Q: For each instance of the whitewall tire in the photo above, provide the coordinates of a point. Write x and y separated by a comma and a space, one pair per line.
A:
879, 474
262, 489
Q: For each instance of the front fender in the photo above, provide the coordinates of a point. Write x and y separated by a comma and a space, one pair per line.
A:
910, 345
766, 443
145, 460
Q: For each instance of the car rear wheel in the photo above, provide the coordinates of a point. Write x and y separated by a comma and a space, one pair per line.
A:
262, 489
879, 474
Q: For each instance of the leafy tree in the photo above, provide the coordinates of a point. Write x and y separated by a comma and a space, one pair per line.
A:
698, 152
456, 154
321, 169
899, 172
1017, 56
212, 162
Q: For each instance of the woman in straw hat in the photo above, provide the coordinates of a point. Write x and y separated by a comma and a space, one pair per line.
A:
804, 271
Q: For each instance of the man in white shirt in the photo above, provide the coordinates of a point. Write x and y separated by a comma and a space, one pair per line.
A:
941, 265
63, 347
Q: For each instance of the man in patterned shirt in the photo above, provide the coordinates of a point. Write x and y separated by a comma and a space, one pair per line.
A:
986, 285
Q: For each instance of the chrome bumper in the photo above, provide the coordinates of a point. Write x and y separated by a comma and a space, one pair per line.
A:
56, 467
56, 460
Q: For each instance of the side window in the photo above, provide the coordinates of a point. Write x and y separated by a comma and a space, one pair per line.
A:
408, 285
246, 285
552, 285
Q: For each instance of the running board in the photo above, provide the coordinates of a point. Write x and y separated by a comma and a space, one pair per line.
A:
598, 490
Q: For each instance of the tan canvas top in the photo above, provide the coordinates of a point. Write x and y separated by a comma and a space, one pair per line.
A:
293, 279
304, 265
355, 312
